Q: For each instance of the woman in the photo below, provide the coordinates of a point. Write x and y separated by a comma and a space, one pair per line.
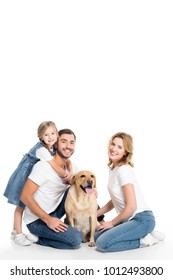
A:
134, 223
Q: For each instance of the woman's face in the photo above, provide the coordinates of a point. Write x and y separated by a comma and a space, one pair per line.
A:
116, 150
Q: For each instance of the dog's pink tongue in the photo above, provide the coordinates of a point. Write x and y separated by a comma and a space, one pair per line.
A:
89, 190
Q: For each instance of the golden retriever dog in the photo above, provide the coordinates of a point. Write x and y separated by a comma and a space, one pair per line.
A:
81, 205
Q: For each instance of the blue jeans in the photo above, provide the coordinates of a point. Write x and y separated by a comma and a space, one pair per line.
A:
70, 239
126, 236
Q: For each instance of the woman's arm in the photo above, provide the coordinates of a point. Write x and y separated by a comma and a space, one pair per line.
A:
130, 205
127, 212
106, 208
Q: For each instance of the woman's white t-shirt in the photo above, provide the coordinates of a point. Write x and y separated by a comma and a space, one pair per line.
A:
118, 177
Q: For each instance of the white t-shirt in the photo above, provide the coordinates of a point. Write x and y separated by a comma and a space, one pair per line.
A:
43, 154
51, 189
118, 177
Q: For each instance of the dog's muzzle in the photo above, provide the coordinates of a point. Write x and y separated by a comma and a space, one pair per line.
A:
88, 189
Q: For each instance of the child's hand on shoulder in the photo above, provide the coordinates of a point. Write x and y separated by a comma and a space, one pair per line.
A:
68, 176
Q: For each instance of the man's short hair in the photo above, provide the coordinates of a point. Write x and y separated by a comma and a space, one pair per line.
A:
66, 131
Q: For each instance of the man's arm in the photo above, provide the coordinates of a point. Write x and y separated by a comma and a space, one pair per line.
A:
27, 198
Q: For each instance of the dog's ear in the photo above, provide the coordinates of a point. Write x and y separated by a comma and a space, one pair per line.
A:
73, 180
94, 182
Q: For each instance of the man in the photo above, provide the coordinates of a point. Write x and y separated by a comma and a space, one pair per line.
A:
44, 194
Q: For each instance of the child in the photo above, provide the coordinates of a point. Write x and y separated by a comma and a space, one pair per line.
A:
133, 225
43, 150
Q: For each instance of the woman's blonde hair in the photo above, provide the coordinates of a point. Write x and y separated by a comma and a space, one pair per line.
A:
128, 146
43, 126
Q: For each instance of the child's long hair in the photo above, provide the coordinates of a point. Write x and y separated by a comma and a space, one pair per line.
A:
42, 128
128, 146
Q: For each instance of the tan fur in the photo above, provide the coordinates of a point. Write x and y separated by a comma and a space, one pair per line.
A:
81, 206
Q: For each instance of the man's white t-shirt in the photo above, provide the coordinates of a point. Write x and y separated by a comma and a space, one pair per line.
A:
51, 189
118, 177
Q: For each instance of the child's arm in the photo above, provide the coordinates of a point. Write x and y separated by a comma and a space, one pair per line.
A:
61, 172
69, 172
69, 166
65, 174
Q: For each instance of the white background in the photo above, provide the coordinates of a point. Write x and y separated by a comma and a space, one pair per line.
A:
97, 67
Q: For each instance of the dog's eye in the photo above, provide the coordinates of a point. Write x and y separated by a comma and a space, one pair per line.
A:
92, 176
82, 176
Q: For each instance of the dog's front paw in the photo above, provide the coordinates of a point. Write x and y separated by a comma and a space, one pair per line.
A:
91, 244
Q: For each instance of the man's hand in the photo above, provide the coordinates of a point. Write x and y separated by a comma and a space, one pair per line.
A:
56, 224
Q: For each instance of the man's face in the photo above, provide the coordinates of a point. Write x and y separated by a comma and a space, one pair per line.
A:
66, 145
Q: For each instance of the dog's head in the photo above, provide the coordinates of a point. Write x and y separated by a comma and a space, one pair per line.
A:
84, 180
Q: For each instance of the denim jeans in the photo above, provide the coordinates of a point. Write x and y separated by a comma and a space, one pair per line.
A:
70, 239
126, 236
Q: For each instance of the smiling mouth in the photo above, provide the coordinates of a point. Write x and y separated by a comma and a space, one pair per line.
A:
67, 151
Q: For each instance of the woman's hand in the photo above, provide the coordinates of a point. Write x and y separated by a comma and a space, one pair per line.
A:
105, 225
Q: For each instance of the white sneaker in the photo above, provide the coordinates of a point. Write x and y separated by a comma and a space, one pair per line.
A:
13, 234
148, 240
159, 235
33, 238
22, 240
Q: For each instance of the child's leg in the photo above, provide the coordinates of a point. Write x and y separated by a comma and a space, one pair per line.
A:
17, 235
17, 225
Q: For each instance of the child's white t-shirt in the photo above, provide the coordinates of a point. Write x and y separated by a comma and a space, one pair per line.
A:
43, 154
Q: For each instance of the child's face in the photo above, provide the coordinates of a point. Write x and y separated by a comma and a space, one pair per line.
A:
49, 137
